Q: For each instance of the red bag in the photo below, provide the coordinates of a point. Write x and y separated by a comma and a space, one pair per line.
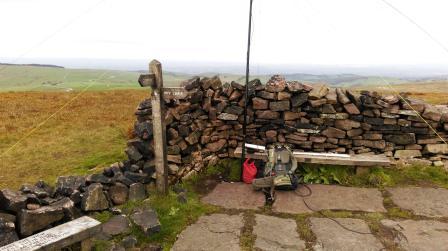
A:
249, 171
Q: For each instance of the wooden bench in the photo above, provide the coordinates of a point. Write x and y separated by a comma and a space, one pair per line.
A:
79, 230
326, 158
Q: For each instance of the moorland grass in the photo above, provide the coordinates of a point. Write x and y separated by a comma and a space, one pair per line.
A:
87, 135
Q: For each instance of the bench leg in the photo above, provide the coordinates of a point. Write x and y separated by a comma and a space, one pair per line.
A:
87, 245
360, 170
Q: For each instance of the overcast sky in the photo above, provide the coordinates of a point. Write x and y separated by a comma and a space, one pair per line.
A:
318, 32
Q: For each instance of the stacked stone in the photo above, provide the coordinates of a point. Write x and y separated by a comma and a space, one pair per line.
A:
206, 124
37, 207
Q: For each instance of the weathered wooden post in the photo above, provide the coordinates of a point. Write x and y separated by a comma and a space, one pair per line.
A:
155, 81
158, 123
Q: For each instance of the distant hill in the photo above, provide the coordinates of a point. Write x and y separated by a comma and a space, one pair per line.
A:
36, 65
41, 77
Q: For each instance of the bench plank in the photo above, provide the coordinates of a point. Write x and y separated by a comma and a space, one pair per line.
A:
58, 237
326, 158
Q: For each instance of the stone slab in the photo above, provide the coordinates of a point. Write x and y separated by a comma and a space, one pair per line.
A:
118, 224
216, 232
331, 236
235, 195
420, 235
273, 233
58, 237
424, 201
329, 197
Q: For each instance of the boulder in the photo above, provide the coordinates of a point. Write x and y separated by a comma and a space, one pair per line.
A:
137, 191
191, 83
267, 114
295, 86
7, 217
279, 106
291, 115
436, 148
228, 116
377, 144
12, 201
66, 185
283, 96
216, 146
267, 95
237, 110
401, 139
147, 221
118, 224
94, 198
406, 154
332, 132
277, 83
299, 99
346, 124
342, 98
7, 232
68, 207
352, 108
332, 97
133, 153
118, 193
260, 104
432, 113
98, 178
31, 221
318, 92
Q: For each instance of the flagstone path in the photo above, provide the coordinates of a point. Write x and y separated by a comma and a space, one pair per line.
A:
336, 218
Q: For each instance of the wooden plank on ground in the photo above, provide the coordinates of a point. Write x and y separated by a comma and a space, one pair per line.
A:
326, 158
58, 237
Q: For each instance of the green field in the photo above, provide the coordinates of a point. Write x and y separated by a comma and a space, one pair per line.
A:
36, 78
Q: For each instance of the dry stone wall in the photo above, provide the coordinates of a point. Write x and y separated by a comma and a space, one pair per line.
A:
206, 125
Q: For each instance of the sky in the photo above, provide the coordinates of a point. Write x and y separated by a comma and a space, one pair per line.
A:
308, 32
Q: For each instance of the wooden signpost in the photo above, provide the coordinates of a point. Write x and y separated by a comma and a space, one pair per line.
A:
155, 81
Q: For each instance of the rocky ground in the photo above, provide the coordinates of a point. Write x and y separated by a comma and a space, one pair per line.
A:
330, 218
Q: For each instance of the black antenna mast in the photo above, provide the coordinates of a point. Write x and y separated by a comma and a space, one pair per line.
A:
246, 96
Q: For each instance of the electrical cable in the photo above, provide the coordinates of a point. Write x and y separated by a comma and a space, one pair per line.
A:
51, 116
47, 38
310, 192
427, 33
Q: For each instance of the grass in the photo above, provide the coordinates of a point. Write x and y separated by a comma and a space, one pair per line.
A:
33, 78
377, 176
87, 135
174, 216
227, 169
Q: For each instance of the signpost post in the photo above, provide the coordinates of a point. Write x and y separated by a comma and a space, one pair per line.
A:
155, 81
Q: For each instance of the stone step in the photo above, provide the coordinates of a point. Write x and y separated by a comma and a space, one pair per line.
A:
329, 197
273, 233
216, 232
331, 236
423, 201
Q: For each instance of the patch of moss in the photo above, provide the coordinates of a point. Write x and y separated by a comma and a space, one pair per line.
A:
227, 169
174, 216
103, 216
304, 230
247, 239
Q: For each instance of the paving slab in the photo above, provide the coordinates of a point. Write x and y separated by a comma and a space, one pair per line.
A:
331, 236
215, 232
330, 197
424, 201
425, 235
235, 195
273, 233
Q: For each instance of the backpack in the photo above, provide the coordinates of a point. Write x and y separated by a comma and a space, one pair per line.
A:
282, 166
